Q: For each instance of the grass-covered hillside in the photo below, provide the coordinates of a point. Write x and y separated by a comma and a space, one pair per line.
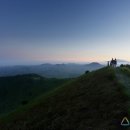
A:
94, 101
22, 89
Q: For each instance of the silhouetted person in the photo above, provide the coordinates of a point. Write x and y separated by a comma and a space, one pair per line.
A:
113, 63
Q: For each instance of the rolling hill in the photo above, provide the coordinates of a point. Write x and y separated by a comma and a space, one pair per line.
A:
93, 101
21, 89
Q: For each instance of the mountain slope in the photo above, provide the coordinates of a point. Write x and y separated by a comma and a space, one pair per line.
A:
93, 101
123, 75
21, 89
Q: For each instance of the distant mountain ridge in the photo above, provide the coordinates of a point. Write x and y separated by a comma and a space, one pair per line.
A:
51, 70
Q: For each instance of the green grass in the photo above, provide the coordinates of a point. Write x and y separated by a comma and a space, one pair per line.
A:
123, 75
125, 70
20, 90
93, 101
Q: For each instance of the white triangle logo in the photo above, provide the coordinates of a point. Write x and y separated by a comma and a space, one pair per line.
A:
125, 122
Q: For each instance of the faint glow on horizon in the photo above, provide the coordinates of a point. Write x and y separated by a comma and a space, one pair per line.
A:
72, 51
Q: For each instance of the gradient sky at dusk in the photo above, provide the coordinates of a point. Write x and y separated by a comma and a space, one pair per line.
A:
38, 31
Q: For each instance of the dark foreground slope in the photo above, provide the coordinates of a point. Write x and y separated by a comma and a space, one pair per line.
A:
94, 101
22, 89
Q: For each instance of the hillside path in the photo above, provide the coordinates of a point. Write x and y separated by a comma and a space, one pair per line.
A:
123, 79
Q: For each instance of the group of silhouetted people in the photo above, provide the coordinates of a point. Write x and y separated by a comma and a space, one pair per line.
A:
113, 63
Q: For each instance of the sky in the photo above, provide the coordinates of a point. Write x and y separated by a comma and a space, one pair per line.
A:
57, 31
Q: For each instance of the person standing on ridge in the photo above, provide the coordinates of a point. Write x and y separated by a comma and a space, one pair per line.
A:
115, 62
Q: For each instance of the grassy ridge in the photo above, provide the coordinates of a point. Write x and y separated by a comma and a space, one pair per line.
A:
92, 101
123, 75
22, 89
